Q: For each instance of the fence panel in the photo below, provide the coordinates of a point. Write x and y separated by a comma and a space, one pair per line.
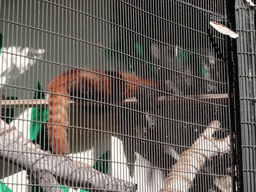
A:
118, 95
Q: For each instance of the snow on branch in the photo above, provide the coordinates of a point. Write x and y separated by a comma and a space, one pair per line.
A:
192, 160
48, 167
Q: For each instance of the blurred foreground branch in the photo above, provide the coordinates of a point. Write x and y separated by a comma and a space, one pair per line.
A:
192, 160
47, 167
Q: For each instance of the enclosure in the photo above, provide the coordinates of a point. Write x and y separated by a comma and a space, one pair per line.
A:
127, 95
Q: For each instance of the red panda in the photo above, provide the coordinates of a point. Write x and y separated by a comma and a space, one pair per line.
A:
93, 85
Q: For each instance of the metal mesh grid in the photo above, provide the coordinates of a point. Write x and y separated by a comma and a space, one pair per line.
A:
140, 82
246, 61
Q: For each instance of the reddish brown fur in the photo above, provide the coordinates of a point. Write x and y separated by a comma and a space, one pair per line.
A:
86, 79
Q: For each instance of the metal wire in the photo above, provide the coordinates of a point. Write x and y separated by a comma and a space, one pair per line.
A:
139, 83
245, 25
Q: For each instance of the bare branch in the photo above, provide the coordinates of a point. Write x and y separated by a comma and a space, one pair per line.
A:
29, 156
224, 184
48, 182
191, 161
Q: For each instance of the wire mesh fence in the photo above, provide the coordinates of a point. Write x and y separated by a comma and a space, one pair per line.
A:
114, 95
245, 24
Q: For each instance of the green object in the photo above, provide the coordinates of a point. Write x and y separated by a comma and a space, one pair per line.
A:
102, 164
39, 117
65, 188
139, 49
4, 188
183, 55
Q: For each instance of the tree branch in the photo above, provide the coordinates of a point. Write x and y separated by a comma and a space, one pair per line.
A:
47, 181
22, 152
192, 160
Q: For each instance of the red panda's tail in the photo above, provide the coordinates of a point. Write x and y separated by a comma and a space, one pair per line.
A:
80, 84
58, 113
